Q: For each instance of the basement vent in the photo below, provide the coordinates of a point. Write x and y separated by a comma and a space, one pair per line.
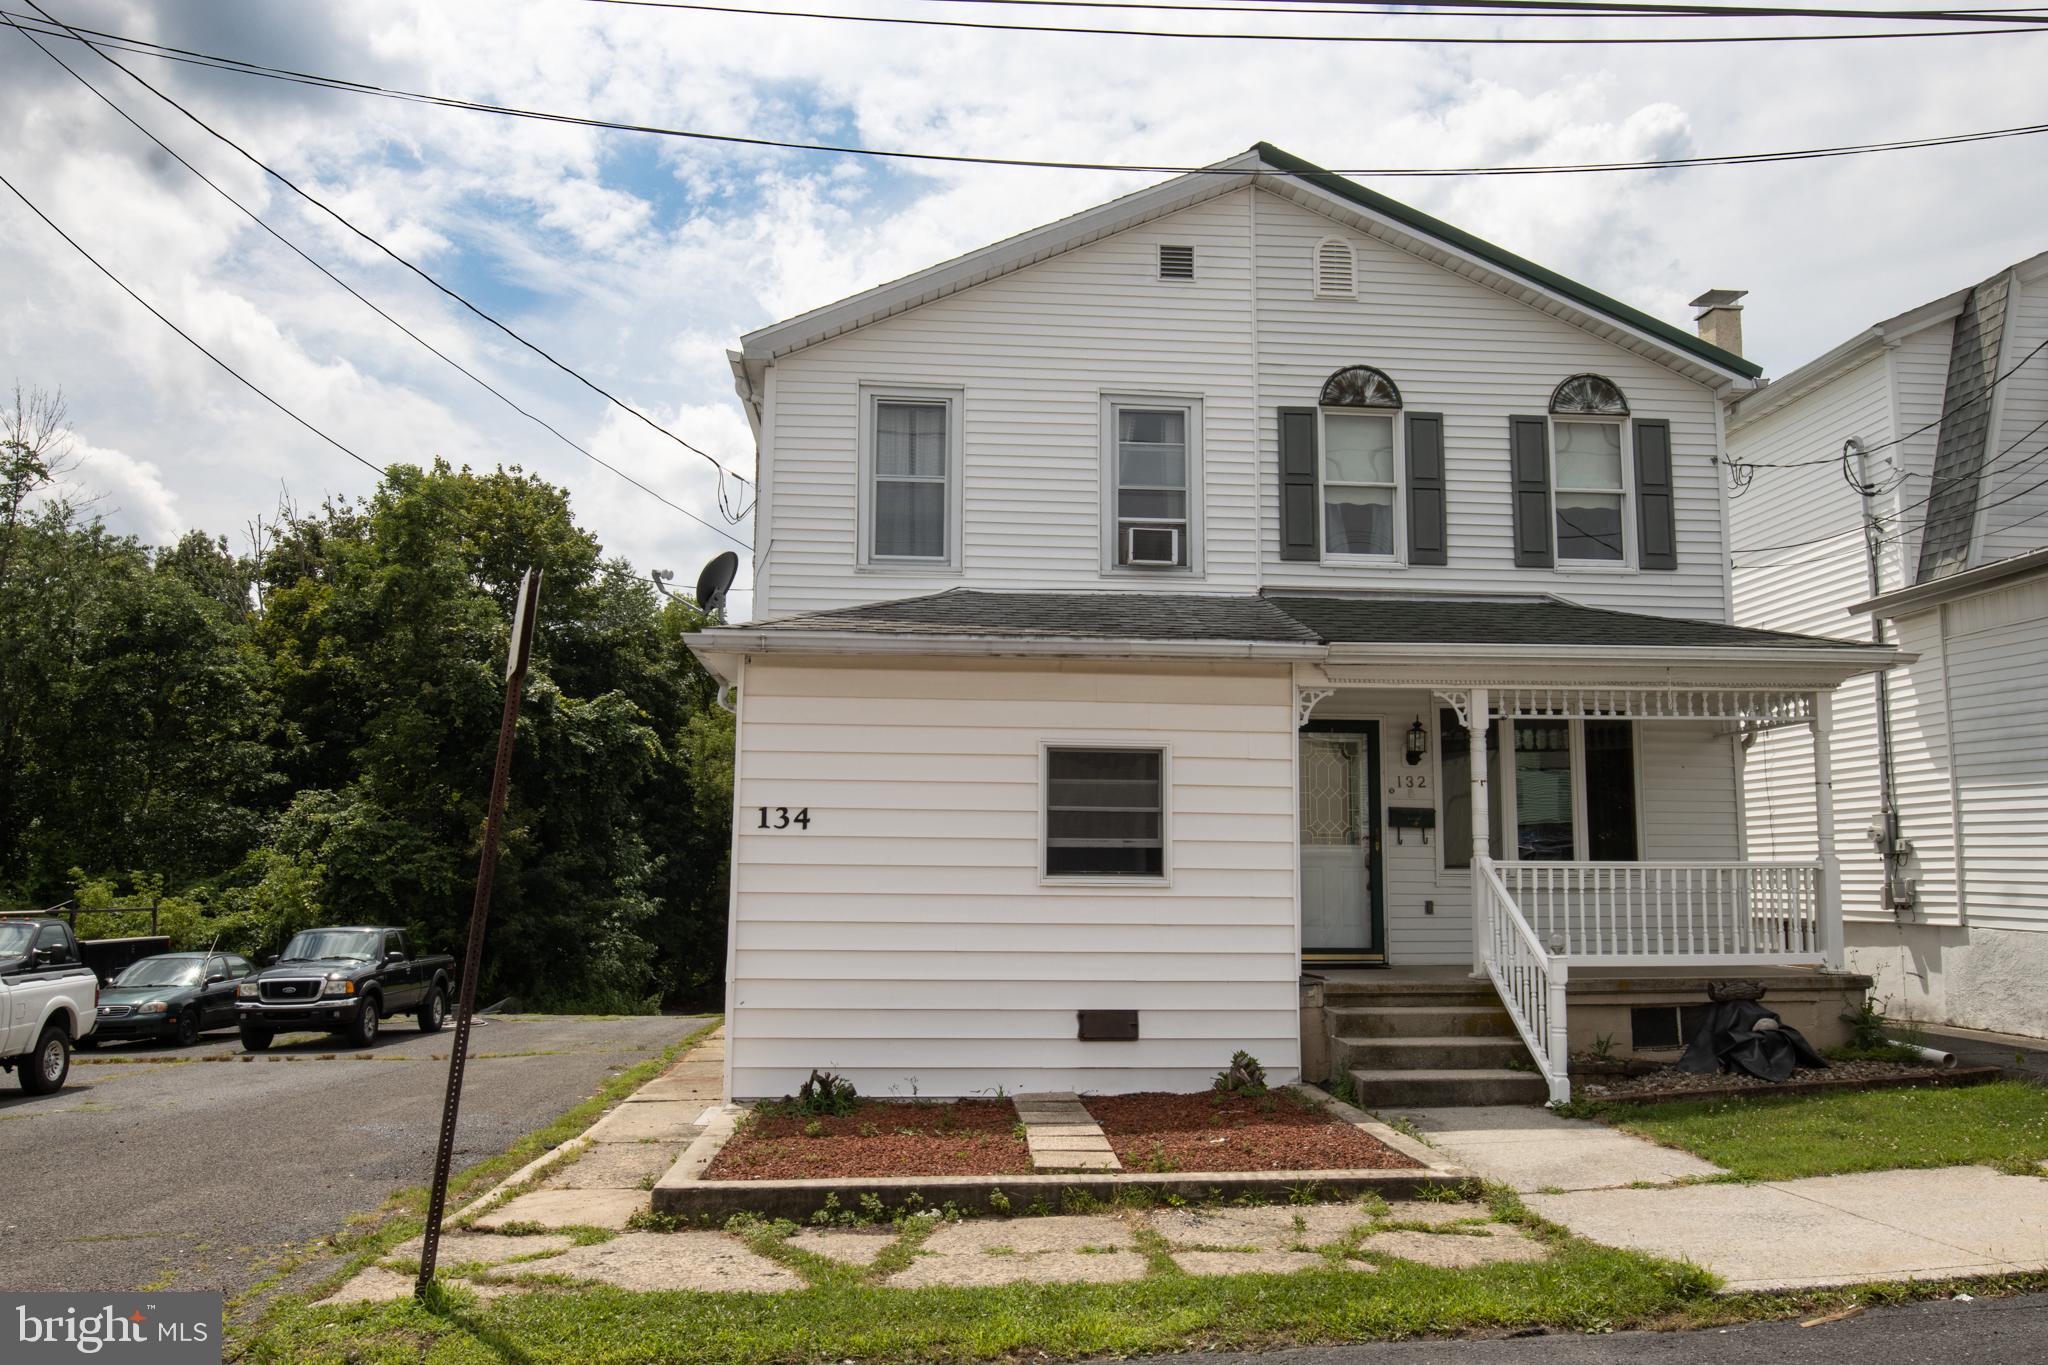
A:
1655, 1028
1176, 262
1336, 269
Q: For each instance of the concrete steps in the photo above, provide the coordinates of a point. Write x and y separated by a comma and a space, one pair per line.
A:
1427, 1042
1434, 1089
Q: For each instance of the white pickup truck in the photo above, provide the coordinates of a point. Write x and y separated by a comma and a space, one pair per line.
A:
49, 999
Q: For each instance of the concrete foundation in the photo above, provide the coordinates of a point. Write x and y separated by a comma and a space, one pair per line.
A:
1967, 976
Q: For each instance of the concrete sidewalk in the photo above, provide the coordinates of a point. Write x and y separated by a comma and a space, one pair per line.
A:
1621, 1190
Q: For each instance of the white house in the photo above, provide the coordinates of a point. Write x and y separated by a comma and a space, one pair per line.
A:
1125, 592
1931, 429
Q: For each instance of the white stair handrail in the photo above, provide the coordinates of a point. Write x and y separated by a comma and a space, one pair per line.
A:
1528, 979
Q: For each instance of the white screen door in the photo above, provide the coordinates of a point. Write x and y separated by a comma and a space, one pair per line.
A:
1339, 816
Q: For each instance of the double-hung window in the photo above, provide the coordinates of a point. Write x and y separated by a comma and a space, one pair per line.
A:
1590, 483
910, 463
1152, 489
1361, 473
1105, 812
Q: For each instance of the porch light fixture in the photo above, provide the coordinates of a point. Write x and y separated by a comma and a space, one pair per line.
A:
1418, 742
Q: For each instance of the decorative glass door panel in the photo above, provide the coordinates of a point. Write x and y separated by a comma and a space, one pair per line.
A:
1339, 846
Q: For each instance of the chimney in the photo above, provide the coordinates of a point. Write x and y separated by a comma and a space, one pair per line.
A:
1720, 318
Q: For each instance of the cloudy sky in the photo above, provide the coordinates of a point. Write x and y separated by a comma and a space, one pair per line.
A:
639, 260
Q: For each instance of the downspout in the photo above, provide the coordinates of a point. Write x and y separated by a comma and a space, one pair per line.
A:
1891, 848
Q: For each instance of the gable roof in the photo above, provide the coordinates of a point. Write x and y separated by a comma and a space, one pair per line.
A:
1321, 190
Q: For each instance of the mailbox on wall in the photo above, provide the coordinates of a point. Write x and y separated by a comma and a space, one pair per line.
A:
1401, 819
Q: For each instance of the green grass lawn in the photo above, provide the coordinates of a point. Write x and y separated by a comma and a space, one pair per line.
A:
2004, 1124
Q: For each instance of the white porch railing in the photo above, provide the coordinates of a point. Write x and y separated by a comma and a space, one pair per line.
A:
1671, 914
1529, 979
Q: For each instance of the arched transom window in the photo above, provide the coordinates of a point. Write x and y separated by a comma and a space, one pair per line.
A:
1359, 386
1361, 467
1590, 476
1589, 395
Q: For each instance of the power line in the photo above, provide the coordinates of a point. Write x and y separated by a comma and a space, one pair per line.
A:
1899, 512
278, 176
1981, 396
238, 376
237, 66
1540, 9
294, 248
1494, 40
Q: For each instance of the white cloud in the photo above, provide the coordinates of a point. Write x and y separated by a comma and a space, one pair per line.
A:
639, 260
127, 493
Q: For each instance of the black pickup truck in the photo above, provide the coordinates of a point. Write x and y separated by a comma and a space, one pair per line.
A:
344, 980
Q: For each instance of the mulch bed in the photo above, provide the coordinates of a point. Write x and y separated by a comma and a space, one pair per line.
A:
880, 1138
1670, 1082
1214, 1131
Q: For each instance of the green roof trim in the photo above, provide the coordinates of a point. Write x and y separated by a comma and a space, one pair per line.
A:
1506, 260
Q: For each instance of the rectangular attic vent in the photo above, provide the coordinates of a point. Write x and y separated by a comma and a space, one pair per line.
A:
1176, 262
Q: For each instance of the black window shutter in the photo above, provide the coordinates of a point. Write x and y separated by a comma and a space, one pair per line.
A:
1656, 506
1426, 514
1298, 484
1529, 472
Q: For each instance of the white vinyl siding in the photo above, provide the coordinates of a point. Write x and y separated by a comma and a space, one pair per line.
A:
1035, 353
1997, 654
1457, 347
913, 916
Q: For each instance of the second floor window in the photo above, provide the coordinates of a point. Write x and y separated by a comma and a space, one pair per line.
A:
910, 467
1361, 463
1152, 483
1590, 482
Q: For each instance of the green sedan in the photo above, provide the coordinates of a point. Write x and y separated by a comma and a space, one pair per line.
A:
173, 996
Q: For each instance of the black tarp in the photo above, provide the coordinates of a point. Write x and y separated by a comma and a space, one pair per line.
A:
1741, 1035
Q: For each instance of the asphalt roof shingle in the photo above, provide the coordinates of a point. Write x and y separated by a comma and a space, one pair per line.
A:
1526, 619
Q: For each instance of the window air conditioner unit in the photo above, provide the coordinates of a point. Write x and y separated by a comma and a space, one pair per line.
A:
1152, 546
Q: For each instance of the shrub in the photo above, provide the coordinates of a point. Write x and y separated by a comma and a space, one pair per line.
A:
825, 1095
1243, 1077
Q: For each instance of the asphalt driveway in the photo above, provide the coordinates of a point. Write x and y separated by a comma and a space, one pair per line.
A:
156, 1168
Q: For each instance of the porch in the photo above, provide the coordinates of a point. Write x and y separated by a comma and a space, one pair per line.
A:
1589, 870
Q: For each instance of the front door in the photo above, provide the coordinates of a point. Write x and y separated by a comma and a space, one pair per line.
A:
1341, 902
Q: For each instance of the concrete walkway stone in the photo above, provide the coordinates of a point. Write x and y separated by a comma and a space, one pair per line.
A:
615, 1166
705, 1261
1095, 1249
1797, 1234
563, 1208
1273, 1227
1530, 1149
1062, 1135
854, 1246
1458, 1250
1258, 1262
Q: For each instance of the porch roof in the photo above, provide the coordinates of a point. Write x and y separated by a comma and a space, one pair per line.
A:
1310, 628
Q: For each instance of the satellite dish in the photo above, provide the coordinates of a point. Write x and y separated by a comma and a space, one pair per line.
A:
716, 578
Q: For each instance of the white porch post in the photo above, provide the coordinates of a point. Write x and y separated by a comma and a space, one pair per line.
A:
1476, 728
1830, 888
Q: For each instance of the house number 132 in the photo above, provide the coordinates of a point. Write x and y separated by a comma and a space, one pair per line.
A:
781, 817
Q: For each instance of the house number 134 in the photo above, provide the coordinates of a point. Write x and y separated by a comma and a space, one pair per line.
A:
781, 817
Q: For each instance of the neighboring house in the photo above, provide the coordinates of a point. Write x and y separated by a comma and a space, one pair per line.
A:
1124, 592
1934, 424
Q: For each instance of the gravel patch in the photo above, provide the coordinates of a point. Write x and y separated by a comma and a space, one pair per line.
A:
880, 1138
1214, 1131
1670, 1080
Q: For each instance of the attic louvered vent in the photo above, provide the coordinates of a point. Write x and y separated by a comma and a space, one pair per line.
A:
1176, 262
1336, 269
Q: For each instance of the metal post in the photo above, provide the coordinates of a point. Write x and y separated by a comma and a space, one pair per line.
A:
1478, 727
1822, 727
472, 962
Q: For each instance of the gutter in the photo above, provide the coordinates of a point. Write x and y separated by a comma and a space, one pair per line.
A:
1980, 579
